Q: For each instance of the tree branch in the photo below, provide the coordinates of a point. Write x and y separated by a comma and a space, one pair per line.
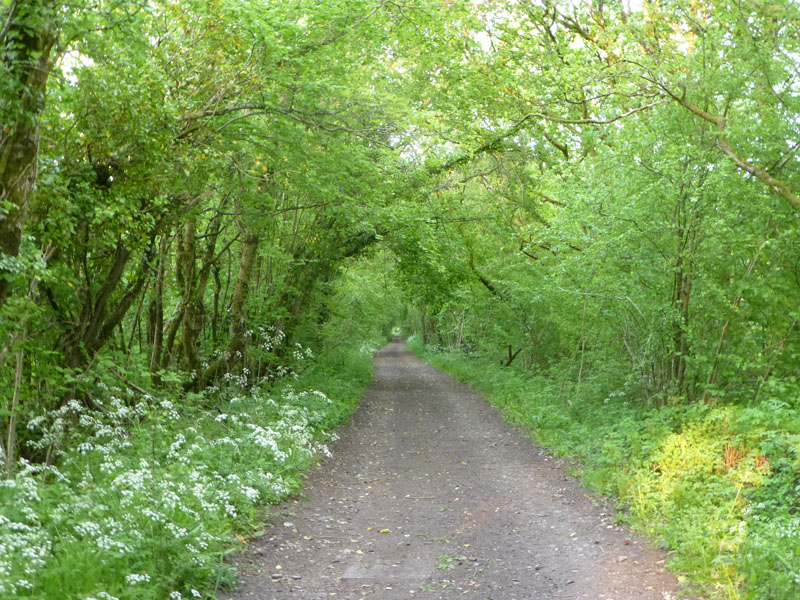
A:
496, 143
777, 185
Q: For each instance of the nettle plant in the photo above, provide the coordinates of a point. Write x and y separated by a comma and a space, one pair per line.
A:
147, 494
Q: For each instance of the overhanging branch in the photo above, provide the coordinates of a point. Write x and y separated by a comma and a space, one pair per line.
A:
777, 185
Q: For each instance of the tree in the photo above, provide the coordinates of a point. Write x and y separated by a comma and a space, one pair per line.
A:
29, 31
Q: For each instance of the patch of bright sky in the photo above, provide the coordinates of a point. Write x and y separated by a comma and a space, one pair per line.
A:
70, 62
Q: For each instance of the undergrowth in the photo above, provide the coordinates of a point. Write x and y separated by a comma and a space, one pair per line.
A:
719, 487
148, 500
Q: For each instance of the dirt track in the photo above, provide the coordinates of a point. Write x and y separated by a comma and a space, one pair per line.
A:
431, 495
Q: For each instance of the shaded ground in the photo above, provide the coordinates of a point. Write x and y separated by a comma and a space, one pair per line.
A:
430, 494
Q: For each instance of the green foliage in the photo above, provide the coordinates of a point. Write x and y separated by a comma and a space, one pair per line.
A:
601, 197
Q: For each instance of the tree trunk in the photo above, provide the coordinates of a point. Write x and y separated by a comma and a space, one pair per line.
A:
236, 346
28, 34
686, 224
10, 456
681, 295
215, 317
98, 319
11, 444
156, 325
712, 374
195, 285
187, 259
243, 285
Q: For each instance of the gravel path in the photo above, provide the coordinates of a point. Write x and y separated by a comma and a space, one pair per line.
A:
430, 494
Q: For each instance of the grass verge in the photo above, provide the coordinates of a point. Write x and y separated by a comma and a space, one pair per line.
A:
154, 492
